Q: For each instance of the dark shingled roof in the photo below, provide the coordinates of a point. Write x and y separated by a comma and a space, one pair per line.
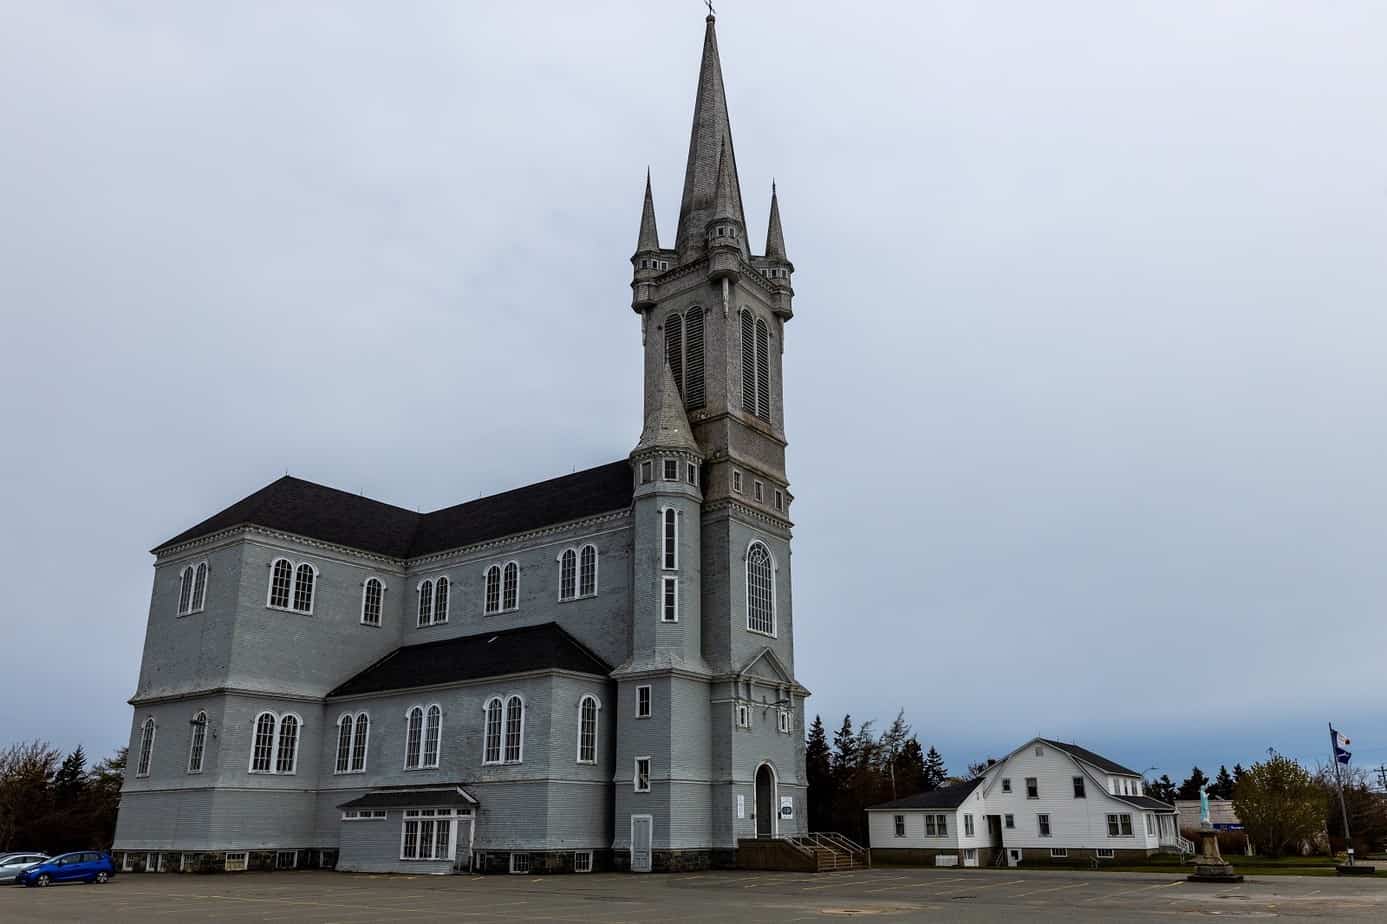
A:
1089, 757
948, 797
317, 512
412, 797
472, 657
1146, 802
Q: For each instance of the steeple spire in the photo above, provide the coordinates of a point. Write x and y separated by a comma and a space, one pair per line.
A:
775, 237
649, 238
710, 134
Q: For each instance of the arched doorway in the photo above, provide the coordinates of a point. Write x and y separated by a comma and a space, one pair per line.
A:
765, 801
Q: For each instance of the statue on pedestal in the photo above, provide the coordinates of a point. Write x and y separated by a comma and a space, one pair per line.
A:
1209, 865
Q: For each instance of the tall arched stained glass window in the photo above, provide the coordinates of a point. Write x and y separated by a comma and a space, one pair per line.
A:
760, 590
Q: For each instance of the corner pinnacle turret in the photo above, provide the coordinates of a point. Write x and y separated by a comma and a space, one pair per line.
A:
649, 237
775, 237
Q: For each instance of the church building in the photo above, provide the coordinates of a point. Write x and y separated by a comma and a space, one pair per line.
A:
593, 672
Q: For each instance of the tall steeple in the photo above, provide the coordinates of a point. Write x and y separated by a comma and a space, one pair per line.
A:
775, 237
711, 132
649, 238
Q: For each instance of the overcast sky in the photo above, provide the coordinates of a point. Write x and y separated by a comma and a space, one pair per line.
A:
1084, 389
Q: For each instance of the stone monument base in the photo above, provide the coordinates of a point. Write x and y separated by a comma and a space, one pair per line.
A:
1209, 865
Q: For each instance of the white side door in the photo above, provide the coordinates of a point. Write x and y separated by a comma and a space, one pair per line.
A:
642, 828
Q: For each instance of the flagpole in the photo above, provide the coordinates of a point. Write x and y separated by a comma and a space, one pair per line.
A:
1334, 755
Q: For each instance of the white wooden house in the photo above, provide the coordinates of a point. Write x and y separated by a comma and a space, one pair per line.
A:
1044, 802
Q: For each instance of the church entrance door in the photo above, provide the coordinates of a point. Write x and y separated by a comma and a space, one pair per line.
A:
765, 801
641, 829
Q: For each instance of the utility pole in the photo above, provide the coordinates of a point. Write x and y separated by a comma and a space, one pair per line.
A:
1382, 775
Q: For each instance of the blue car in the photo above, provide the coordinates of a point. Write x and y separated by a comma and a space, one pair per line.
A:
83, 866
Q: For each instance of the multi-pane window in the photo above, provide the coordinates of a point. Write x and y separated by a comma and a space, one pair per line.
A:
1032, 788
900, 825
303, 588
756, 375
433, 601
146, 747
198, 744
1104, 853
185, 591
363, 728
587, 730
669, 599
510, 586
427, 834
587, 571
691, 473
582, 861
491, 750
515, 719
929, 826
671, 470
493, 589
433, 730
743, 715
642, 775
760, 593
199, 587
1009, 821
1006, 784
968, 825
737, 481
684, 354
281, 582
1059, 853
372, 599
669, 549
936, 825
275, 746
1120, 825
414, 737
784, 721
1078, 787
643, 702
425, 603
1043, 823
262, 752
286, 757
344, 744
568, 575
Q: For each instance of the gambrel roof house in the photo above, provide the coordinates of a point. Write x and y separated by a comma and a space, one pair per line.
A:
1045, 802
592, 672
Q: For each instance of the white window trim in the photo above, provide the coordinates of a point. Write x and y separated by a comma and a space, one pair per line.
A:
423, 736
192, 741
505, 723
292, 865
501, 588
519, 872
898, 825
143, 766
1104, 853
577, 551
452, 816
746, 588
279, 718
783, 721
649, 700
194, 604
758, 490
233, 861
968, 828
576, 565
677, 515
737, 481
501, 737
596, 728
636, 773
383, 588
365, 745
1059, 853
743, 715
582, 853
365, 815
665, 582
1040, 828
294, 567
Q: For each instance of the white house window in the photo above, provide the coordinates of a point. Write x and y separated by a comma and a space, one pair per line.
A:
1150, 827
510, 586
493, 590
1043, 824
491, 749
929, 826
198, 743
568, 575
1010, 821
671, 470
1006, 784
760, 611
642, 776
670, 547
1079, 787
363, 729
941, 823
1104, 853
968, 825
900, 825
364, 815
669, 599
587, 729
515, 722
286, 859
235, 861
1120, 825
582, 861
344, 744
1059, 853
414, 737
146, 747
520, 863
643, 702
372, 598
587, 571
743, 715
427, 834
1032, 788
185, 591
433, 731
275, 747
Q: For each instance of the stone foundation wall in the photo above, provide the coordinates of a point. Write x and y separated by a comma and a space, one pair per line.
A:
1031, 856
923, 856
542, 862
190, 861
676, 861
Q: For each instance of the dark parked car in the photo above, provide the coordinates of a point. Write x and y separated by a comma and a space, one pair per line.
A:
82, 866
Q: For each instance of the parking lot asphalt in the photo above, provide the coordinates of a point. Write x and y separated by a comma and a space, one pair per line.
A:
304, 897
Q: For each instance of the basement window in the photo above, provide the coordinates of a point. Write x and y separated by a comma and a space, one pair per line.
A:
582, 861
520, 863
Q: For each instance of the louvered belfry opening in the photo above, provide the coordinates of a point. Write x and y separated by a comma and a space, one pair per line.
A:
674, 348
693, 352
748, 363
763, 371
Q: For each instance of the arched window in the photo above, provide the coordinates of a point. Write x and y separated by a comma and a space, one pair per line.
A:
440, 600
425, 602
760, 590
433, 729
568, 574
587, 729
146, 747
674, 348
491, 751
281, 579
414, 733
763, 371
199, 587
693, 358
198, 744
510, 586
363, 727
262, 752
286, 759
303, 588
344, 744
372, 597
670, 545
185, 591
748, 362
587, 573
515, 722
493, 589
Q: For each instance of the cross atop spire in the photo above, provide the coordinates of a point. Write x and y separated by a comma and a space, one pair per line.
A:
711, 132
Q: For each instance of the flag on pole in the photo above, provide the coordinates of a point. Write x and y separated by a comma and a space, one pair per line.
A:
1341, 744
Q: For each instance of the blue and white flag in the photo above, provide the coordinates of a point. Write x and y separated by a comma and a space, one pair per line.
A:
1341, 744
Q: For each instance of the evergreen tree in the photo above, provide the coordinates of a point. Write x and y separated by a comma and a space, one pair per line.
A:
1190, 788
1222, 787
1238, 772
1163, 789
934, 771
71, 778
844, 749
818, 765
910, 768
889, 750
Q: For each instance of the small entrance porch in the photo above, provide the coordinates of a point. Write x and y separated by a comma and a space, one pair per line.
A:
424, 830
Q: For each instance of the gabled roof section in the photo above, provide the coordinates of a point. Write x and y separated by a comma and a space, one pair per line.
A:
413, 797
947, 798
1088, 757
767, 657
1143, 802
474, 657
315, 511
